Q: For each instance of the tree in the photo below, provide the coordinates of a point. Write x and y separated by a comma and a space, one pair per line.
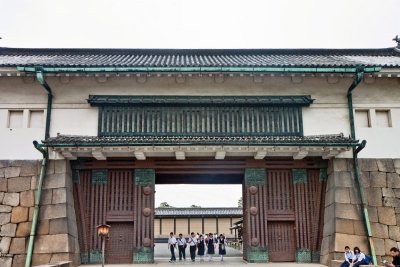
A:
195, 206
165, 205
240, 202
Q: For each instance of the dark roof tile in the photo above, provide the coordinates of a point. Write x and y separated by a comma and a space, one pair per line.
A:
387, 57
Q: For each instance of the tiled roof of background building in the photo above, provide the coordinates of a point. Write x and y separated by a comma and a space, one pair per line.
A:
198, 212
178, 58
71, 140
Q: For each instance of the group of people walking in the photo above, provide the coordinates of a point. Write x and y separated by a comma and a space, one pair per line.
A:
356, 258
203, 244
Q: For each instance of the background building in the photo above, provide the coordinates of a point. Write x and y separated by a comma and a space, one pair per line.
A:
286, 124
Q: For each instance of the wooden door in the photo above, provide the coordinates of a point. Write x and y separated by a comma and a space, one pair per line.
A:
281, 240
120, 244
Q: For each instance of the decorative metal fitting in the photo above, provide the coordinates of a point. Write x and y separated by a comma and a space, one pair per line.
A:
253, 190
146, 212
253, 211
146, 242
147, 190
254, 242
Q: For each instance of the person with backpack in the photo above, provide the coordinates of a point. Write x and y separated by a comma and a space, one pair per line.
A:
172, 246
348, 257
359, 258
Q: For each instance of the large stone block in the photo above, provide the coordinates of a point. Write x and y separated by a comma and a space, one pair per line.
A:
12, 172
5, 245
53, 211
59, 226
340, 165
374, 196
379, 246
3, 184
396, 192
385, 165
59, 195
330, 197
344, 226
380, 230
60, 166
41, 259
2, 172
19, 184
2, 196
393, 180
394, 233
342, 195
52, 244
30, 168
6, 261
347, 211
325, 246
386, 215
388, 192
373, 214
377, 179
5, 218
368, 165
17, 246
19, 214
19, 260
4, 208
359, 228
355, 197
43, 227
27, 198
365, 178
47, 197
57, 180
396, 163
344, 179
8, 230
23, 229
391, 202
342, 240
11, 199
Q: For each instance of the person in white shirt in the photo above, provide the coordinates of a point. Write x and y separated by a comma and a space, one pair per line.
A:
359, 258
182, 247
192, 241
172, 246
348, 257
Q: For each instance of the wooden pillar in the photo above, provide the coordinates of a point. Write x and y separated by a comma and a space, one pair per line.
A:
144, 216
188, 226
160, 226
255, 241
175, 225
202, 225
216, 222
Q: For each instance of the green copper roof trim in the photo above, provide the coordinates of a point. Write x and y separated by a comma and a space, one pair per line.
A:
112, 100
199, 69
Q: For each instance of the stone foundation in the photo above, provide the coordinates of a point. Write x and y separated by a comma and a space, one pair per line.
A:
343, 222
56, 236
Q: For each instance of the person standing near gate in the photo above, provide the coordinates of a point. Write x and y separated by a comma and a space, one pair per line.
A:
172, 246
210, 246
222, 246
182, 247
201, 247
192, 246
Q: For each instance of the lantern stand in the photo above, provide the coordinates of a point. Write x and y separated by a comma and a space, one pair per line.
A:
103, 232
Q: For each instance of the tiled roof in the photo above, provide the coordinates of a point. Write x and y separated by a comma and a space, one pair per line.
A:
72, 140
198, 212
177, 58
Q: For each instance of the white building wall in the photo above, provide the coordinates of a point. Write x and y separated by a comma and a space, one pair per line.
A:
72, 114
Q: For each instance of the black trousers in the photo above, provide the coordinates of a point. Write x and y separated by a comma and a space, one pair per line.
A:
172, 248
192, 252
182, 252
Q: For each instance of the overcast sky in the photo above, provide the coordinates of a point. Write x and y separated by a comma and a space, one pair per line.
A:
199, 23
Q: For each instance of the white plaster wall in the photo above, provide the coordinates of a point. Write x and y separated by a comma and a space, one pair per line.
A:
73, 115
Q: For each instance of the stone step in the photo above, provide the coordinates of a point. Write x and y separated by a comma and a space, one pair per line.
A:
57, 264
337, 263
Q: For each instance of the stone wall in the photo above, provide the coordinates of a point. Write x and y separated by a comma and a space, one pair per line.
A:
343, 222
56, 238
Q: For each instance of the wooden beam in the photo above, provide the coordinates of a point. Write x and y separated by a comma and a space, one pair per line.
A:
68, 155
260, 154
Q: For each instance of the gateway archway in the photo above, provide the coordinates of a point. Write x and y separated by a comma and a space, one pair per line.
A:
283, 203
